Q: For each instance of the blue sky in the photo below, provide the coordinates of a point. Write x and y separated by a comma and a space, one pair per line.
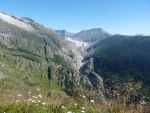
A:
115, 16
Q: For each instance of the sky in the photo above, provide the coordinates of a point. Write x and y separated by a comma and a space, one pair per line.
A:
114, 16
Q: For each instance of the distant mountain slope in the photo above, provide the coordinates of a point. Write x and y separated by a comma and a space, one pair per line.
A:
64, 33
91, 35
37, 58
26, 54
124, 59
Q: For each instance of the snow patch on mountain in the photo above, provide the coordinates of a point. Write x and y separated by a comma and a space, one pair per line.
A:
15, 21
78, 48
77, 43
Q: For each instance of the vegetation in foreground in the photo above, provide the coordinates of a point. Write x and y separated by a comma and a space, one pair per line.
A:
22, 107
64, 104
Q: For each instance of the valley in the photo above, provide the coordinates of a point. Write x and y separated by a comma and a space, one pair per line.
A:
59, 71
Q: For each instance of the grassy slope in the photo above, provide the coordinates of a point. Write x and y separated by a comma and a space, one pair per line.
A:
20, 90
21, 79
23, 67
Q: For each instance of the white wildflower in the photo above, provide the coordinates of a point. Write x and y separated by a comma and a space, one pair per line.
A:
63, 107
83, 108
83, 96
92, 101
34, 97
40, 96
33, 101
19, 95
75, 104
43, 103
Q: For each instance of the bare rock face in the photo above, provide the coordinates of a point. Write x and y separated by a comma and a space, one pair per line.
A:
67, 78
91, 81
75, 82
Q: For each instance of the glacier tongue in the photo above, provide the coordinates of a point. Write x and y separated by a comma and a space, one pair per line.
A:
77, 43
15, 21
78, 48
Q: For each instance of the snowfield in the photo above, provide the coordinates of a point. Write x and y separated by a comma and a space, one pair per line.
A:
77, 43
78, 49
16, 22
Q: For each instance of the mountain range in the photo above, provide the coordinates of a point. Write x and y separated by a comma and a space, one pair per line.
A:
92, 62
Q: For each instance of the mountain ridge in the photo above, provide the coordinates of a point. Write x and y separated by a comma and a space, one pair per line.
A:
60, 58
43, 59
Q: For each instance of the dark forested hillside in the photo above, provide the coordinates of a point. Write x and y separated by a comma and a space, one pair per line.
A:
124, 59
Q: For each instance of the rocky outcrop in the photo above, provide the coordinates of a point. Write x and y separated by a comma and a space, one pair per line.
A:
77, 82
91, 81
